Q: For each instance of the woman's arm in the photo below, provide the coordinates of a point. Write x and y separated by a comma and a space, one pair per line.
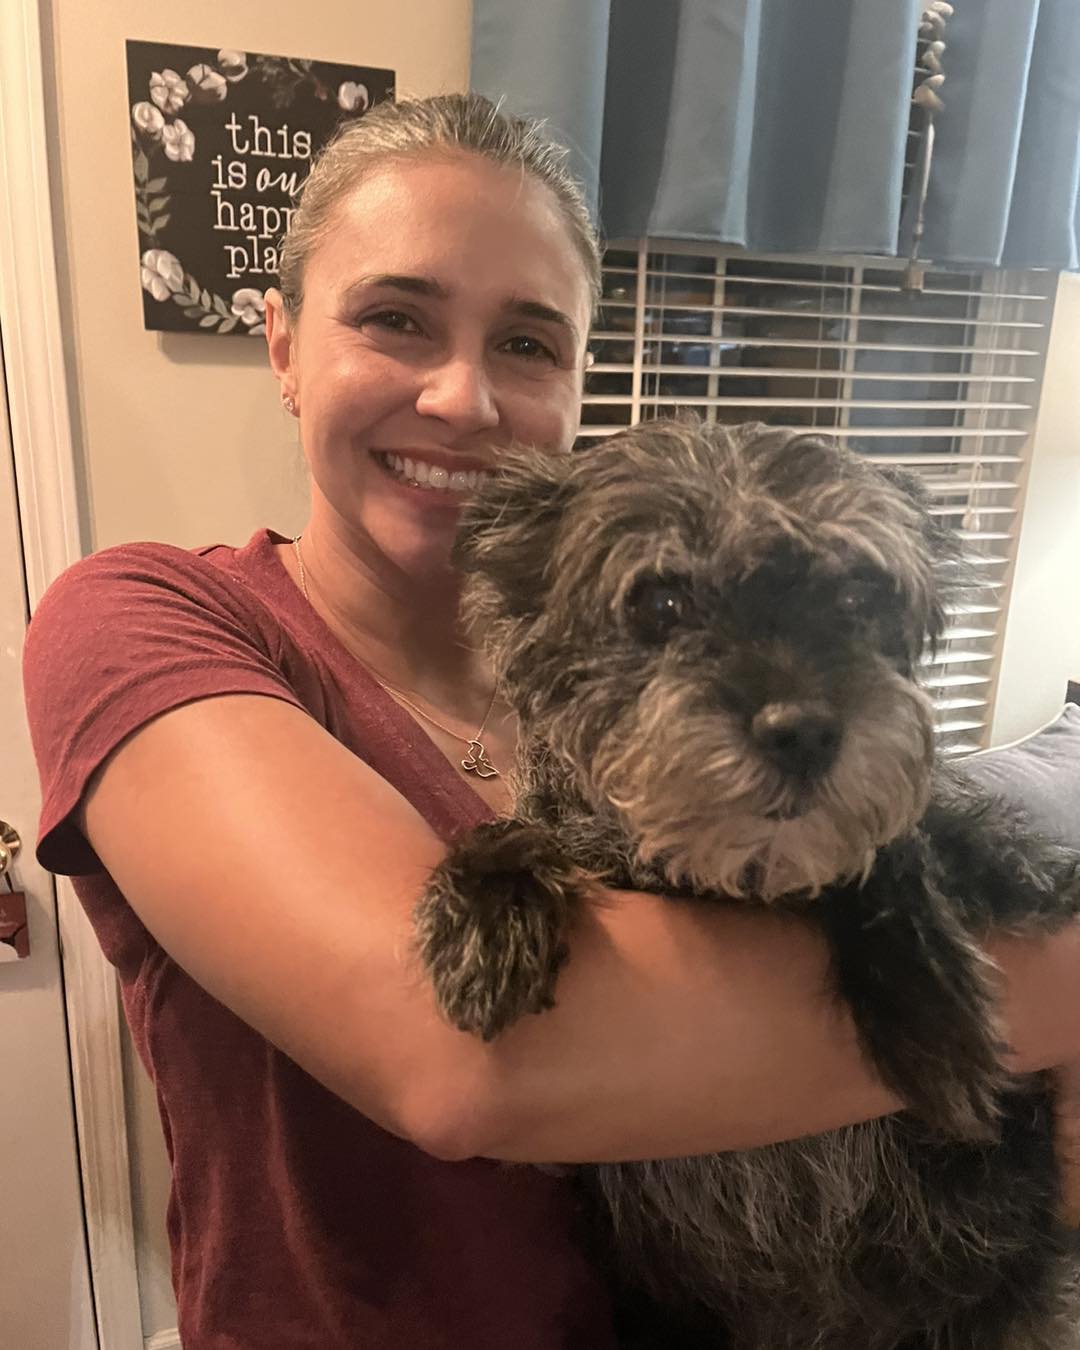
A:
281, 873
707, 1029
1067, 1140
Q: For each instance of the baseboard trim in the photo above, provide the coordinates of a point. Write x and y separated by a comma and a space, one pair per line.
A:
164, 1340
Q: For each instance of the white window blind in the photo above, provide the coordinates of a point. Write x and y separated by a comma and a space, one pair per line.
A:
944, 381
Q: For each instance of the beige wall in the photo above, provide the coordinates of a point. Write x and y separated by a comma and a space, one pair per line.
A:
1042, 638
181, 438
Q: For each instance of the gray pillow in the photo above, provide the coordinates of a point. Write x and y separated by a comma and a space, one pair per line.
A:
1041, 774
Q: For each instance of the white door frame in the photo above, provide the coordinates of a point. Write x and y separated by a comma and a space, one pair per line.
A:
38, 394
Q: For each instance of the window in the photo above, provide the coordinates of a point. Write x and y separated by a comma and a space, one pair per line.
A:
944, 381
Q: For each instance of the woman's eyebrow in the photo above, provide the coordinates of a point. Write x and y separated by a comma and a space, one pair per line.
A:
536, 309
394, 281
428, 286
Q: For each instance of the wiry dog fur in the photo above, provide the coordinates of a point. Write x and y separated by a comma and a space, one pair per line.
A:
711, 637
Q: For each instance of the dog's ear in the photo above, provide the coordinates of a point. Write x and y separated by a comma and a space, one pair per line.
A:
952, 573
507, 532
942, 543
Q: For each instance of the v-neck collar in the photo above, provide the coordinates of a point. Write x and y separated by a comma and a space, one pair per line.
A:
290, 602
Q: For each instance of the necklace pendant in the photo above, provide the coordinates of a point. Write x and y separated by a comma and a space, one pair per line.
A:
478, 762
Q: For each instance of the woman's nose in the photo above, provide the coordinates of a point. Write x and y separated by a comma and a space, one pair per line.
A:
458, 391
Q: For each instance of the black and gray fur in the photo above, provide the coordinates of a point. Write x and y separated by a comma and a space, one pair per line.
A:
711, 637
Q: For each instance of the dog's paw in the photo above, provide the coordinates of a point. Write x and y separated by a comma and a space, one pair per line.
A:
923, 994
947, 1063
945, 1060
491, 927
968, 1110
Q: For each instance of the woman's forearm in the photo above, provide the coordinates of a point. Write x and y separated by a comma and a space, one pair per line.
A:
1067, 1138
683, 1029
1042, 997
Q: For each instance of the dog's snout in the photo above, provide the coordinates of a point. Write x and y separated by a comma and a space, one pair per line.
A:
800, 738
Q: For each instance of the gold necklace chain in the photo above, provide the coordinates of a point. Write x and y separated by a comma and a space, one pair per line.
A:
477, 761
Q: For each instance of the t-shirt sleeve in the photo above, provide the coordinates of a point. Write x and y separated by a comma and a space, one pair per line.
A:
119, 638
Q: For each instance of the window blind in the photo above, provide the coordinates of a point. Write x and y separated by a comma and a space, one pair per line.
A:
944, 381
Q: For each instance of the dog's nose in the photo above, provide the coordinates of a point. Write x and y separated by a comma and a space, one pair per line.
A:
800, 738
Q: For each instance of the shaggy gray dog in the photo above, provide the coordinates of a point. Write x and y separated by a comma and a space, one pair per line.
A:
711, 637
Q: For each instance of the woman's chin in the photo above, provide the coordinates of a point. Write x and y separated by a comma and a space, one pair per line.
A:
418, 549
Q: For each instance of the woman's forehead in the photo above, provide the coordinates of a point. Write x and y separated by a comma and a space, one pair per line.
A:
458, 219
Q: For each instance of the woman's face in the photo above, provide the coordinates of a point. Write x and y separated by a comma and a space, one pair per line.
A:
445, 315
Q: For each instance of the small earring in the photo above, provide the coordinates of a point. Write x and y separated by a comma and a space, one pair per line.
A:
290, 406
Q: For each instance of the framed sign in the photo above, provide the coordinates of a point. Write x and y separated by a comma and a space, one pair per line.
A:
221, 142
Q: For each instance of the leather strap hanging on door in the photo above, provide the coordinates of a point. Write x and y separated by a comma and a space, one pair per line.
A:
14, 929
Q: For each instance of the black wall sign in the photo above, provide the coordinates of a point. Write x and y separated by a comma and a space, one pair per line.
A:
221, 140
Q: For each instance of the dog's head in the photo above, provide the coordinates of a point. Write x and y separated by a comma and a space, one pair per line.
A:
715, 631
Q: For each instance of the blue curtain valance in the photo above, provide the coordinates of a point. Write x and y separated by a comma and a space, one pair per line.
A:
781, 125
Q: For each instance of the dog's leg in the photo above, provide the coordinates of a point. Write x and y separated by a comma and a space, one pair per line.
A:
492, 924
921, 991
1000, 872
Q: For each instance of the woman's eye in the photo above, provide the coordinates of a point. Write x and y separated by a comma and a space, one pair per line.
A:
529, 347
393, 320
657, 607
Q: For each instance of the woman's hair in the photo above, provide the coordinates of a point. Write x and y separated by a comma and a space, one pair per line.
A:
415, 128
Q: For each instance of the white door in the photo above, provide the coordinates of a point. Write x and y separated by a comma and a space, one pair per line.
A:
45, 1301
68, 1276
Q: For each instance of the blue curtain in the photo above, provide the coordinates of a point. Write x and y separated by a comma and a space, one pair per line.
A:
781, 125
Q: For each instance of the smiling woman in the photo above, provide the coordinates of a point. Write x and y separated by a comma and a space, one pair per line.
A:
260, 754
463, 332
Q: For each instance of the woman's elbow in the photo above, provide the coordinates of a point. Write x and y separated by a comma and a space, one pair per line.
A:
450, 1117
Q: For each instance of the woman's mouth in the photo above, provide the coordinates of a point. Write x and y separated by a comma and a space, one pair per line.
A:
428, 477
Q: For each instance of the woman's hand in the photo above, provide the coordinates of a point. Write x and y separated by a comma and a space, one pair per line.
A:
1067, 1138
1043, 1019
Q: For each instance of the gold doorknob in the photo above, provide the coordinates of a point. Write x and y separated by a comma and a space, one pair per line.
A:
10, 843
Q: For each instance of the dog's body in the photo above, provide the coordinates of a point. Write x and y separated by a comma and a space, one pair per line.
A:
710, 636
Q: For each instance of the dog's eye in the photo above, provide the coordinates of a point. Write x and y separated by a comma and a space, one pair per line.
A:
858, 596
657, 606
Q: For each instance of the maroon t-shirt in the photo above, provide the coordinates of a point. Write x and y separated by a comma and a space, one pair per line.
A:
295, 1223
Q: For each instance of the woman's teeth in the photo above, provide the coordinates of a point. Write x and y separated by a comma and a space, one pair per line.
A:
432, 476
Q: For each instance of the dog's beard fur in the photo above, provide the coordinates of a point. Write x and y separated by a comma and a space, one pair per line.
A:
710, 813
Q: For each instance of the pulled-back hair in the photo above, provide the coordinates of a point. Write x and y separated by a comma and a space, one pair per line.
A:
416, 128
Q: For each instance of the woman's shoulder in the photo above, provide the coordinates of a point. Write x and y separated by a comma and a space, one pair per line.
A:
141, 612
153, 560
127, 583
135, 630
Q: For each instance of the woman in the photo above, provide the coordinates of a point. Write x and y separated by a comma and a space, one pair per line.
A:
257, 754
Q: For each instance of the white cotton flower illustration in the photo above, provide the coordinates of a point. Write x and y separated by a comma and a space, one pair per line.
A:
179, 141
161, 273
232, 64
168, 91
207, 85
249, 305
352, 96
148, 119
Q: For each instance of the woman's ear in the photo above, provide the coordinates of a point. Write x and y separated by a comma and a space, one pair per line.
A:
279, 343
